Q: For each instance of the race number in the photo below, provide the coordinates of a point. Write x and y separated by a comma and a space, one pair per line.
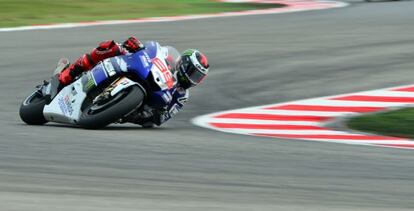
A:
166, 73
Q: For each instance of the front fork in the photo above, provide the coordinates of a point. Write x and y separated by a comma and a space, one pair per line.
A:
114, 88
117, 86
106, 94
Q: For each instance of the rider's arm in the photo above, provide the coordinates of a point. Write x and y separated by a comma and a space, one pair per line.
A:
161, 115
110, 48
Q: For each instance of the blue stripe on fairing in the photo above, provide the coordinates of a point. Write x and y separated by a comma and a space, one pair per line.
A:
99, 74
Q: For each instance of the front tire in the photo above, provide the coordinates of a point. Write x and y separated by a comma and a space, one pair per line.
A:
31, 110
99, 115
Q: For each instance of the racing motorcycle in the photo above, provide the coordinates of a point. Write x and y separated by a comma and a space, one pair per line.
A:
112, 90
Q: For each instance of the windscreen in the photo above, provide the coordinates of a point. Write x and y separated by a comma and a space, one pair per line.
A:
173, 56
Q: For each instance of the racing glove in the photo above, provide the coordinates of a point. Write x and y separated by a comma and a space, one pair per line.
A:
133, 45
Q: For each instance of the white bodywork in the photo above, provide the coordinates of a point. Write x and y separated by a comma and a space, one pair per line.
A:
66, 106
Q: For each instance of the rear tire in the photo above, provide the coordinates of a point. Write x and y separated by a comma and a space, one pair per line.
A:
96, 116
31, 110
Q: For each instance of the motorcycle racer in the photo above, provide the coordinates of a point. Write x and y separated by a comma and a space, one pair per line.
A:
188, 70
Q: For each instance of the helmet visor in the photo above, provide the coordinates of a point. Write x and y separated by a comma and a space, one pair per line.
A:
193, 73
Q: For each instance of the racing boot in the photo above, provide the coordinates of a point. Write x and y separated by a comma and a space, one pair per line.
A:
70, 73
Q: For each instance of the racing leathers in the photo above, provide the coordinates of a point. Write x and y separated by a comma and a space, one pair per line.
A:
159, 114
104, 50
148, 115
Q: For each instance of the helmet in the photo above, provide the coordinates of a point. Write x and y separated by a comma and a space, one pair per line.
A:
192, 68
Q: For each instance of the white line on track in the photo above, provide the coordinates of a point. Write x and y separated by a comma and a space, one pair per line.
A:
387, 93
327, 102
288, 132
291, 6
254, 121
293, 112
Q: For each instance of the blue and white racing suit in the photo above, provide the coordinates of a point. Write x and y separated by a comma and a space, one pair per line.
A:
162, 114
164, 109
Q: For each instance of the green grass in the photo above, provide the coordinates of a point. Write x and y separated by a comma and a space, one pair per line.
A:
399, 123
31, 12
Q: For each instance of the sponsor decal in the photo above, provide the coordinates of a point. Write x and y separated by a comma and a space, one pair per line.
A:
109, 67
145, 60
183, 95
62, 106
65, 105
174, 110
182, 100
88, 82
122, 64
167, 97
164, 117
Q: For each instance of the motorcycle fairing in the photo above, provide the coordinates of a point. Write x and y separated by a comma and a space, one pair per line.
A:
162, 76
137, 63
66, 106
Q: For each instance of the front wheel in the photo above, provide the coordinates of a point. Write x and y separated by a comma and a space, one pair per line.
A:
31, 110
104, 112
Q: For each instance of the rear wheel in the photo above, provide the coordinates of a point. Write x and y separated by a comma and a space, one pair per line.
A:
31, 110
104, 112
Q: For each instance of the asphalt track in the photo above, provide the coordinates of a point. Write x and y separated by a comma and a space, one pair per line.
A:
255, 60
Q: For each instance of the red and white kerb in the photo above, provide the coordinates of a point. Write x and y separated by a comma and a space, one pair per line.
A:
307, 119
